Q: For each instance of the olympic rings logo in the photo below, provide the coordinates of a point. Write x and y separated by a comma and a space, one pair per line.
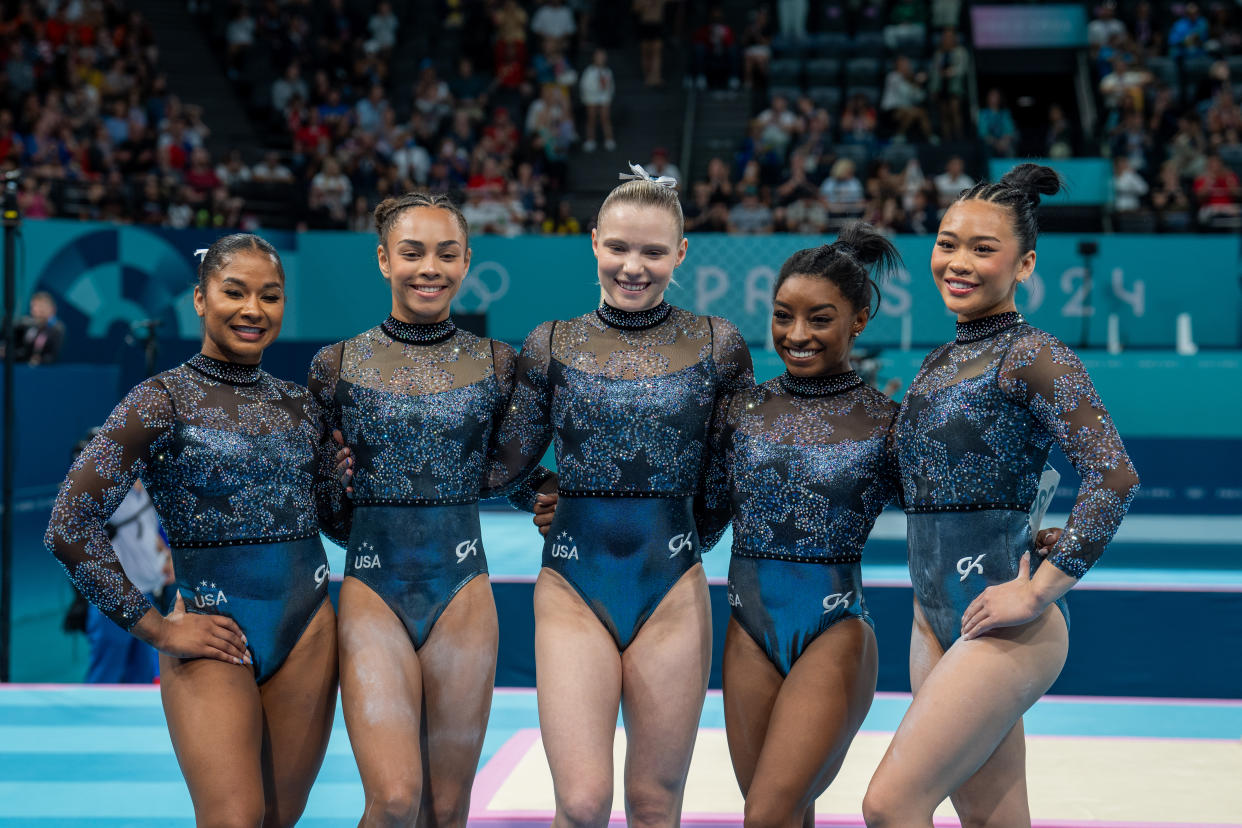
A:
483, 286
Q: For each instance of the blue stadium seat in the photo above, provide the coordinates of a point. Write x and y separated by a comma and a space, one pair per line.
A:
791, 91
870, 44
784, 46
837, 45
828, 97
785, 72
858, 153
823, 72
1165, 70
862, 70
870, 92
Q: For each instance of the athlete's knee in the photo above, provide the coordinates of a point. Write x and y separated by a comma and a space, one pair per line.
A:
772, 810
394, 803
585, 804
884, 806
652, 804
450, 810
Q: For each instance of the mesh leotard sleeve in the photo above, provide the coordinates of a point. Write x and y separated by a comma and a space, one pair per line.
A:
732, 357
524, 431
503, 480
713, 508
334, 509
1046, 376
97, 482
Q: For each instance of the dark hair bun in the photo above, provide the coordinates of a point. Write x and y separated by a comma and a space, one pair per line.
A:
1034, 180
869, 247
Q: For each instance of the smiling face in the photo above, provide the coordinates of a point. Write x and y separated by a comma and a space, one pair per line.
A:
814, 325
242, 308
424, 260
637, 247
977, 262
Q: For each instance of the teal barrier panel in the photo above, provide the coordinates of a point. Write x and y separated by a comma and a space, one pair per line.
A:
1089, 181
108, 276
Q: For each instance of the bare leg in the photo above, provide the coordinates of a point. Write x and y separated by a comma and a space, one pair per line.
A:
215, 719
459, 669
962, 732
605, 117
298, 705
820, 706
578, 673
592, 112
750, 685
664, 681
381, 694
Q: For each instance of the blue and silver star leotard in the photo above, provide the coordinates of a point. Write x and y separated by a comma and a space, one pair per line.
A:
231, 458
972, 437
804, 466
628, 398
417, 404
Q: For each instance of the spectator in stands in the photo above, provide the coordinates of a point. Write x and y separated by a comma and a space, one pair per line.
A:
1129, 187
843, 193
750, 216
858, 121
1223, 120
39, 334
1147, 36
779, 126
1218, 193
798, 183
1131, 140
661, 165
1105, 26
650, 14
201, 175
383, 27
596, 90
1126, 82
903, 99
1170, 199
33, 199
233, 171
1189, 34
715, 58
757, 47
431, 95
911, 180
1224, 33
527, 190
369, 111
270, 170
921, 216
239, 35
950, 183
1188, 147
950, 68
288, 86
554, 21
806, 215
719, 182
330, 193
469, 89
563, 223
695, 211
996, 126
816, 144
907, 24
551, 66
1060, 136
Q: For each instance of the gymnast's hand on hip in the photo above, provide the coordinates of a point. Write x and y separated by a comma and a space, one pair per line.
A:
184, 634
1004, 605
545, 510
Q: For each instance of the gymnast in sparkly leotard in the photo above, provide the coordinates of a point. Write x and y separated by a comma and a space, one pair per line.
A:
416, 400
803, 465
975, 429
232, 459
621, 612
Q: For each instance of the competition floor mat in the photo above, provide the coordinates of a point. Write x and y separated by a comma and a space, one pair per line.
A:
100, 756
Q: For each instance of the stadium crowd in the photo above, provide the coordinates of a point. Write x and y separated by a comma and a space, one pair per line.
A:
853, 99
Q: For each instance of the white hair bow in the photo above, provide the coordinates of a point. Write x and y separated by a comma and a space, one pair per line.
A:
201, 253
637, 173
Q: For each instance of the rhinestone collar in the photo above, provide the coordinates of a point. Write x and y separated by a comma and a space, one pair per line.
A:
229, 373
633, 320
419, 334
977, 329
819, 386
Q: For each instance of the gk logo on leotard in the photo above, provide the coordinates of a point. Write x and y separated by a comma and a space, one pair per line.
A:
680, 543
367, 557
467, 548
208, 595
836, 599
564, 547
321, 575
968, 565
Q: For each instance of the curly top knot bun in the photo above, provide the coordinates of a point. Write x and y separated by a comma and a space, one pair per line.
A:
855, 262
1034, 180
